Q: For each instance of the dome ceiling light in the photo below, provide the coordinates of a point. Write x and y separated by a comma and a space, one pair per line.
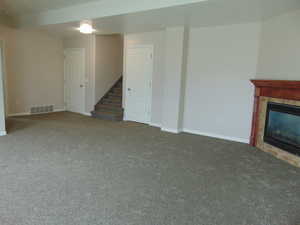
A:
86, 27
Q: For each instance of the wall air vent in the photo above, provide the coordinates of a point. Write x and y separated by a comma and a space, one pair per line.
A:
41, 109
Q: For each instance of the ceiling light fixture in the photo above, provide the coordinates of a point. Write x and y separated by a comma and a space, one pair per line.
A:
86, 27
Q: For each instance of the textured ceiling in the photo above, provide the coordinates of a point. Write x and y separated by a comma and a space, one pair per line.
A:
16, 7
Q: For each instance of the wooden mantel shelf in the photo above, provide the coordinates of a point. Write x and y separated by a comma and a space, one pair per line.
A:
282, 89
277, 83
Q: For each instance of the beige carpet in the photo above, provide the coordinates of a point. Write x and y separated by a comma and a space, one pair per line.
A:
67, 169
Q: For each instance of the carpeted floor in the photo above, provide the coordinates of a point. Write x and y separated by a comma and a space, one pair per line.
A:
67, 169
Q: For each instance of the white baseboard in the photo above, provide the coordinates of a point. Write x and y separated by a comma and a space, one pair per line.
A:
28, 113
86, 114
19, 114
155, 125
242, 140
174, 131
3, 133
59, 110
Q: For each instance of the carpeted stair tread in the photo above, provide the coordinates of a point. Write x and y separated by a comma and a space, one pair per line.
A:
110, 106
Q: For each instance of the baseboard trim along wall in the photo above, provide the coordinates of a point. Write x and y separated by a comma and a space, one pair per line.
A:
155, 125
59, 110
3, 133
18, 114
86, 114
241, 140
174, 131
28, 113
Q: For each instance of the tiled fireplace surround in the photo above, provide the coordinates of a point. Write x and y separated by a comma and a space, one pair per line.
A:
285, 92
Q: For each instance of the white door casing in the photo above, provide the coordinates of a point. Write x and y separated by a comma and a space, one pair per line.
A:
4, 78
75, 80
138, 83
2, 92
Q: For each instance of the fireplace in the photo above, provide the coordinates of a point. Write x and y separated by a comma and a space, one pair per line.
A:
276, 119
282, 127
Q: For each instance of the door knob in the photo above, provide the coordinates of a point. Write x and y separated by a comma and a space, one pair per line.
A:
81, 85
129, 89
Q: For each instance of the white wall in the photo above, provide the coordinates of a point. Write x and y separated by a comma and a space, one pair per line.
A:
280, 48
88, 43
176, 44
218, 93
34, 69
157, 39
109, 63
221, 62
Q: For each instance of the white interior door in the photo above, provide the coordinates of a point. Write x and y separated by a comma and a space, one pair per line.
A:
139, 69
75, 80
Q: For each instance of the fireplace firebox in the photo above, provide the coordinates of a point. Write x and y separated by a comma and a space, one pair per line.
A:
282, 127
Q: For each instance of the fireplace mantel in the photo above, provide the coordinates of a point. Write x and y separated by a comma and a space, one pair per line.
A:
277, 83
282, 89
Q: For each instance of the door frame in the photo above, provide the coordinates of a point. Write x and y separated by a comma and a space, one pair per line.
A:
4, 76
82, 50
3, 88
150, 79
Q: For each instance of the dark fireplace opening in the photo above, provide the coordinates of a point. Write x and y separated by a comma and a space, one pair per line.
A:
282, 127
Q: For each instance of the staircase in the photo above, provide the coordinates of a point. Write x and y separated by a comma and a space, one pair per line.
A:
110, 106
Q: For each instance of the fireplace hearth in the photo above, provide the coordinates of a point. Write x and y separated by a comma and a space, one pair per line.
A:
282, 127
